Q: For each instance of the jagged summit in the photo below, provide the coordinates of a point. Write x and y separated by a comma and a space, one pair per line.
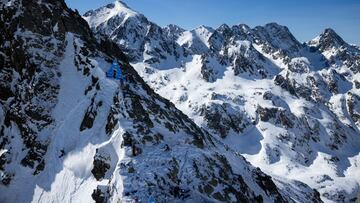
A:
279, 37
116, 6
117, 9
242, 26
223, 26
174, 27
327, 40
204, 27
336, 50
120, 4
329, 33
172, 31
275, 25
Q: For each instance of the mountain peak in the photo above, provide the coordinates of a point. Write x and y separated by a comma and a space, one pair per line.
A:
278, 36
331, 34
105, 13
120, 3
205, 28
223, 27
328, 39
174, 27
120, 6
276, 28
273, 24
244, 26
117, 5
241, 29
329, 31
172, 31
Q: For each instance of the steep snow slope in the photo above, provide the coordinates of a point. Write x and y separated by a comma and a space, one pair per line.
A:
69, 134
289, 108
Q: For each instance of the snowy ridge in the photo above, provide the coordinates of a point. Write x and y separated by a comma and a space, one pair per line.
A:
289, 108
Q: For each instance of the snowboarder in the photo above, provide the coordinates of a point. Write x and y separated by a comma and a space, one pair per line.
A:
151, 200
115, 72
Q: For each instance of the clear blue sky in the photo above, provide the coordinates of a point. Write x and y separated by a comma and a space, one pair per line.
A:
305, 18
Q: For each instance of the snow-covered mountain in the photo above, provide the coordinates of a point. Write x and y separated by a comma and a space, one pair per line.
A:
142, 40
70, 134
291, 108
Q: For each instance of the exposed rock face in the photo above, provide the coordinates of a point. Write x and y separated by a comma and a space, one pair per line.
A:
277, 38
336, 50
172, 31
288, 107
101, 164
327, 40
276, 116
353, 104
100, 194
22, 80
222, 119
285, 84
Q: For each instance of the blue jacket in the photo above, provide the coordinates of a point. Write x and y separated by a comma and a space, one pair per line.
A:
114, 72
